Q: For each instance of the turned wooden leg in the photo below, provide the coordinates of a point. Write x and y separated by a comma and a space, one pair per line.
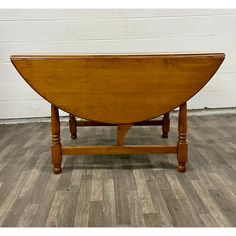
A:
182, 146
165, 125
56, 143
73, 126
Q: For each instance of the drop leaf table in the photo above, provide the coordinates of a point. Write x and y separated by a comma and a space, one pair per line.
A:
121, 90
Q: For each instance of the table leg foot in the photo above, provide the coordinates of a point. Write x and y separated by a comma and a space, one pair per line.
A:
73, 136
73, 126
181, 167
165, 135
165, 125
57, 169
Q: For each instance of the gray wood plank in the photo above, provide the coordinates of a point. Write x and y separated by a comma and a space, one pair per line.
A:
26, 193
83, 205
108, 201
12, 196
95, 214
214, 210
143, 192
121, 202
56, 210
135, 207
71, 201
208, 220
45, 202
190, 215
159, 203
27, 216
151, 220
173, 205
119, 190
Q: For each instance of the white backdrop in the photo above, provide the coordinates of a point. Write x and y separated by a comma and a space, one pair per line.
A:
113, 31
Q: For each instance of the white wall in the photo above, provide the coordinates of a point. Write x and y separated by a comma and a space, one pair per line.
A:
108, 31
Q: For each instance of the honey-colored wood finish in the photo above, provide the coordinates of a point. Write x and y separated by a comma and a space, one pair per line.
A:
125, 149
81, 123
56, 140
166, 125
182, 153
73, 123
73, 126
121, 132
120, 90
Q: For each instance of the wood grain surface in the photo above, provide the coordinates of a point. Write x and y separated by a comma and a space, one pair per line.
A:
118, 89
121, 190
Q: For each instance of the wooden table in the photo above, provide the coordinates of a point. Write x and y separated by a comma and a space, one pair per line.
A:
121, 90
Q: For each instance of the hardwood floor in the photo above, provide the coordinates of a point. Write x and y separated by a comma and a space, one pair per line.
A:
119, 190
